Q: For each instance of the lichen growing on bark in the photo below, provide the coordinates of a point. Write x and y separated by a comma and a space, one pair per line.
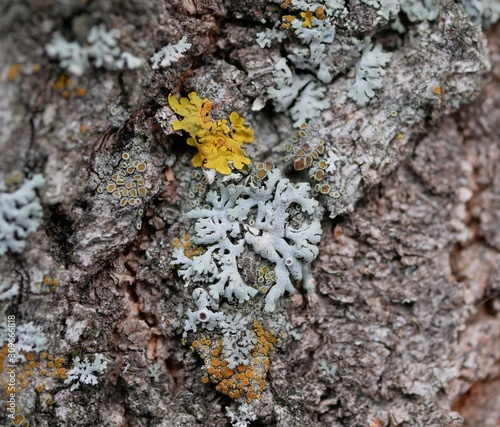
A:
406, 188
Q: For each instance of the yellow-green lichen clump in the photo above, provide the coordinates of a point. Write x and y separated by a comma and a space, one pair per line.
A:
220, 142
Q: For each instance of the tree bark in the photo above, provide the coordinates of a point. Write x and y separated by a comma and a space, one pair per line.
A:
403, 326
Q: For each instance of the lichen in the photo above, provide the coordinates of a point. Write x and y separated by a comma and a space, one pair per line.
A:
369, 73
244, 380
20, 215
84, 371
219, 143
170, 54
102, 50
257, 215
127, 185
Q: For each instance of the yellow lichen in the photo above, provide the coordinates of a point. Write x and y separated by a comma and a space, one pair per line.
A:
307, 16
195, 111
218, 142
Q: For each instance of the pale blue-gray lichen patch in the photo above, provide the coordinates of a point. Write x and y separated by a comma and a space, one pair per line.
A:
268, 202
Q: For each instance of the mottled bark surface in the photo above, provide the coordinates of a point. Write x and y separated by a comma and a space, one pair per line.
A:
403, 328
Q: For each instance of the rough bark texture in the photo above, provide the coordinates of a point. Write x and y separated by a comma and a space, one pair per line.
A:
403, 327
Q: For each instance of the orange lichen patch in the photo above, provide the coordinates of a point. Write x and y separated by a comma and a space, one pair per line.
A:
251, 395
18, 419
14, 71
29, 375
320, 13
3, 356
63, 82
438, 90
234, 394
226, 372
245, 381
267, 339
190, 250
261, 173
66, 87
84, 128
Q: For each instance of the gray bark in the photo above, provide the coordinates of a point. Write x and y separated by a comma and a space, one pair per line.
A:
403, 326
